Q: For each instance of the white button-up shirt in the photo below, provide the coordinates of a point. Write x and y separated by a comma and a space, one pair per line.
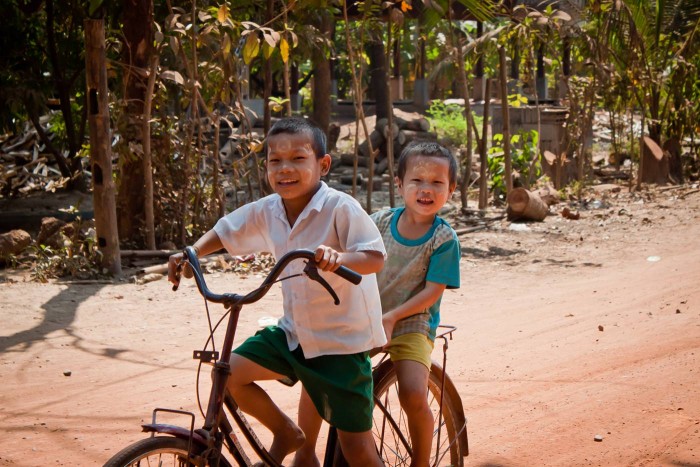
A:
331, 218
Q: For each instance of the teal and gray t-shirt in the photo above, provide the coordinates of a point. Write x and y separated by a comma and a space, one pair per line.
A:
410, 263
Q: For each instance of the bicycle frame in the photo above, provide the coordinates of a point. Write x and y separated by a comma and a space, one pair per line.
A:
217, 428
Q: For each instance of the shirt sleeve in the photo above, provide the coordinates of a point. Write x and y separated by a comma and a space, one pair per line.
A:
444, 264
244, 231
356, 230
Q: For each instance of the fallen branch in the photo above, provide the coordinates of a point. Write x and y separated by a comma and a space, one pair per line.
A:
460, 232
682, 196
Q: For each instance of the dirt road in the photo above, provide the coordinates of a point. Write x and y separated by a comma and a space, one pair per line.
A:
567, 330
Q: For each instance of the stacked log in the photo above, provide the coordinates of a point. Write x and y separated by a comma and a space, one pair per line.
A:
404, 131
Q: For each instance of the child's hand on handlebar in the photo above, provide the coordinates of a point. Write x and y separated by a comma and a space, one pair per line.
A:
176, 266
327, 259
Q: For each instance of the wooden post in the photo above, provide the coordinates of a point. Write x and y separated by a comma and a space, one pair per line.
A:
100, 147
506, 121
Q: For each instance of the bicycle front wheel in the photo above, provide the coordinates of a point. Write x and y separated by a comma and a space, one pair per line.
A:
390, 427
160, 450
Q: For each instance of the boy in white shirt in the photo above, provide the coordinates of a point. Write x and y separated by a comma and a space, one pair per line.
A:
323, 345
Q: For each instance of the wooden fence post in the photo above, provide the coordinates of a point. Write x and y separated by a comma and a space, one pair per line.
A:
103, 189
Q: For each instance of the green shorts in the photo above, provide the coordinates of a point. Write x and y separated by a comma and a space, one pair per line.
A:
412, 346
340, 386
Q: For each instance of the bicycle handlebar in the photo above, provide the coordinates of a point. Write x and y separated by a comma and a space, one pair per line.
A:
257, 294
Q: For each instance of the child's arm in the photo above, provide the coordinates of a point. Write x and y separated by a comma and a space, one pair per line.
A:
416, 304
362, 262
207, 243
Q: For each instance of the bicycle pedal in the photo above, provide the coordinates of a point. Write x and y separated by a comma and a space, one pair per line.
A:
205, 356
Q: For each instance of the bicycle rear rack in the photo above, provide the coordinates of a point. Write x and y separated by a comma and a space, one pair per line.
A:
178, 412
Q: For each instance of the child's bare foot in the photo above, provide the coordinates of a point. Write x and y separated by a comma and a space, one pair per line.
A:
288, 441
303, 458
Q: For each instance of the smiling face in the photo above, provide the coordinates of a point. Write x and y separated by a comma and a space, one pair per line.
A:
426, 185
293, 170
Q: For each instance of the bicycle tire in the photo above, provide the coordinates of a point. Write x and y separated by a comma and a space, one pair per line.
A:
394, 450
159, 450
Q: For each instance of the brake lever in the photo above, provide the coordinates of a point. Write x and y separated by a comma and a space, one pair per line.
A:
311, 272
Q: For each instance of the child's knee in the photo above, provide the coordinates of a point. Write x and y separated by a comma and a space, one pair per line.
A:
413, 398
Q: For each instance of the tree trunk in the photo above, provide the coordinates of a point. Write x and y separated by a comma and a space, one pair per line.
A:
267, 74
100, 147
506, 121
322, 79
137, 51
147, 166
483, 150
378, 86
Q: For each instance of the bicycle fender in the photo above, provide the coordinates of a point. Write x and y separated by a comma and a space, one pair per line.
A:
451, 389
176, 431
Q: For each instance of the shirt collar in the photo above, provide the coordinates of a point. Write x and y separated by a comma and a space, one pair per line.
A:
315, 204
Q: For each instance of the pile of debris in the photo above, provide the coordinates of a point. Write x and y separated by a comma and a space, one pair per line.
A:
26, 165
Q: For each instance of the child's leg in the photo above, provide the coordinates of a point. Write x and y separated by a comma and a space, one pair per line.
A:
310, 423
252, 399
413, 387
359, 449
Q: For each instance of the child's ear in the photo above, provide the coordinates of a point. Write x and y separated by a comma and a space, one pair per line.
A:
397, 181
453, 187
326, 161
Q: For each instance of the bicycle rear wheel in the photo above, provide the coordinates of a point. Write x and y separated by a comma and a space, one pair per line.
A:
160, 450
390, 426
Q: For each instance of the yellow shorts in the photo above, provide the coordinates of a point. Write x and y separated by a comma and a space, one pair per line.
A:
412, 346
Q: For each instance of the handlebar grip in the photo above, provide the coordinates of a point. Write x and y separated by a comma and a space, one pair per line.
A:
349, 275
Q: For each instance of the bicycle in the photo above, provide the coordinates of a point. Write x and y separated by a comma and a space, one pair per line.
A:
182, 446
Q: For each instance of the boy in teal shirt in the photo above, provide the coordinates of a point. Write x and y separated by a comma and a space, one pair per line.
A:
423, 256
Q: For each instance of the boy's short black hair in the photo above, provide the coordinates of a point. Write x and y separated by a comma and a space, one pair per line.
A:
296, 125
427, 149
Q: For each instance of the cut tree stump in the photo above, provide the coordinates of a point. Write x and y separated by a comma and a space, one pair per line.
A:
656, 163
524, 204
561, 175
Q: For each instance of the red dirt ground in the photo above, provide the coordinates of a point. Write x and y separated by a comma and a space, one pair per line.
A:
565, 331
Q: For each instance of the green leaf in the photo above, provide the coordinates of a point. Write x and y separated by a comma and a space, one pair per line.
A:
94, 6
